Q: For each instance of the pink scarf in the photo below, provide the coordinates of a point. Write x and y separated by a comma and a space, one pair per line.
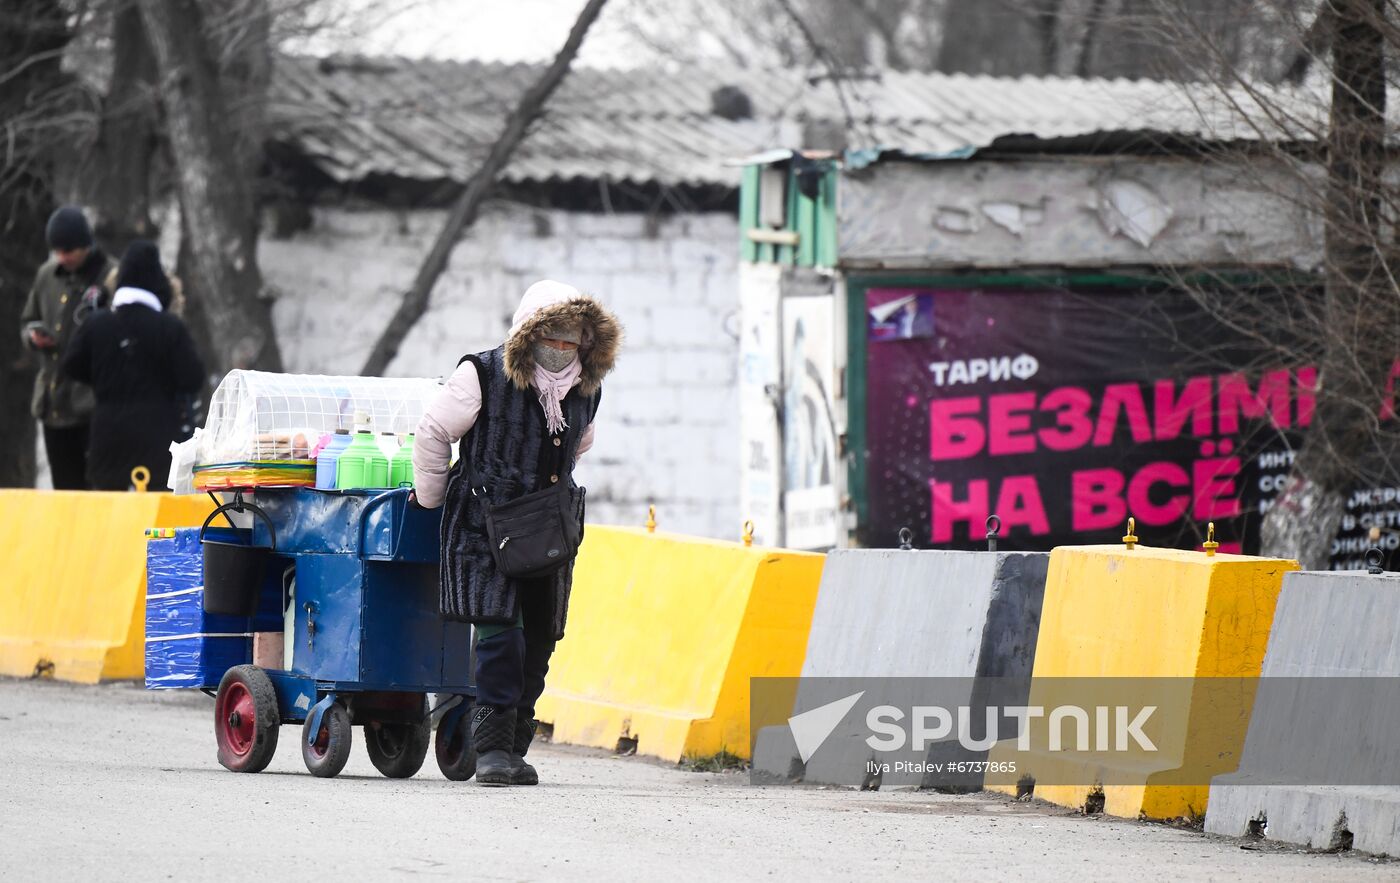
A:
552, 386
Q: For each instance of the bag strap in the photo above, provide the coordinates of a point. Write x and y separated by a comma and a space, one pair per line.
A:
474, 481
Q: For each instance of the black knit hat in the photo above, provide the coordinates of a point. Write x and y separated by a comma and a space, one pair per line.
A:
140, 268
68, 229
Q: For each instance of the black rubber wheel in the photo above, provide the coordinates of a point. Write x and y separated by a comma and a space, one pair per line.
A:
398, 749
456, 755
326, 756
246, 719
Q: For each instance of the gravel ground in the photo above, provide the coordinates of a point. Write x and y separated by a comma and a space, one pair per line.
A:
116, 783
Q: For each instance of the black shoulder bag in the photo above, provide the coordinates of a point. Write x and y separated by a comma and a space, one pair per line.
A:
533, 535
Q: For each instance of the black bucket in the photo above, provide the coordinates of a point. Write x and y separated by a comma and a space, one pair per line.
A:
233, 572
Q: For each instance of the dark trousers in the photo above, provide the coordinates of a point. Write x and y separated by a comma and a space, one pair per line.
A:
67, 451
511, 662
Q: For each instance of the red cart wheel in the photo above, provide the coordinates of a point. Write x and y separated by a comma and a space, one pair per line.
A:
326, 756
456, 755
246, 719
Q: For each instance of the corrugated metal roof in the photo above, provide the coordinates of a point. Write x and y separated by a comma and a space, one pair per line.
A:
433, 120
945, 114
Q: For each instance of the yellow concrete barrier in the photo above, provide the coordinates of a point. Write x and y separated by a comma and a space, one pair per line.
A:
665, 632
74, 565
1178, 617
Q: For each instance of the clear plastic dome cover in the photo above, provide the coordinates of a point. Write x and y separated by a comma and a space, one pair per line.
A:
260, 417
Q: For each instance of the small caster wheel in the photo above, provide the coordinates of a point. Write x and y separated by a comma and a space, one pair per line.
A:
246, 719
398, 749
456, 755
326, 753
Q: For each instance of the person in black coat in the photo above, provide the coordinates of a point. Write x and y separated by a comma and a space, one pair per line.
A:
142, 364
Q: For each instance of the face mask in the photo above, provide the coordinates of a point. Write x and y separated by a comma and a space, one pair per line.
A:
551, 359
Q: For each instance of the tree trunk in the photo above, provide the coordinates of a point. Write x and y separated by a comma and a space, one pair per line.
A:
464, 212
993, 37
126, 141
1182, 40
245, 68
1047, 21
1084, 63
1361, 317
32, 34
216, 197
1303, 522
847, 27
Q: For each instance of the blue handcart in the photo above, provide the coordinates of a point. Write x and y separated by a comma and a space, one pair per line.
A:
349, 579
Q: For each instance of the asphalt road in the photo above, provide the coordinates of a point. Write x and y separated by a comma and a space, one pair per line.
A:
115, 783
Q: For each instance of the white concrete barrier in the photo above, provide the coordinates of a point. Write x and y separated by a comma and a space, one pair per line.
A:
1321, 761
894, 614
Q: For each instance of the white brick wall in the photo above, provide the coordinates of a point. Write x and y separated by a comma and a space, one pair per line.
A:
669, 425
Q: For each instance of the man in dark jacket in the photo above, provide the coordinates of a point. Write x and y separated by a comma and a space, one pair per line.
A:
66, 290
140, 361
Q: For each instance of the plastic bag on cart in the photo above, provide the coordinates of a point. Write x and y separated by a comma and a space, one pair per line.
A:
182, 460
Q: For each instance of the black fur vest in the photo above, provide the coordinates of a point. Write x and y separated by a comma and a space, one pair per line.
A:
513, 454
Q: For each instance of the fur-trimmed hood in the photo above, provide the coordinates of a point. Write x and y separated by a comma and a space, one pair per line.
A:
177, 292
548, 304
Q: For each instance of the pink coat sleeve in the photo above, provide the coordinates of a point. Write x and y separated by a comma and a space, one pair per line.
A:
450, 416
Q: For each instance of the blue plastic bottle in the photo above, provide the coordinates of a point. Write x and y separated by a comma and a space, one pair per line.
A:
325, 461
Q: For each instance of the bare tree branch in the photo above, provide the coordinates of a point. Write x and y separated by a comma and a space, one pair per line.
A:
464, 212
1326, 156
822, 54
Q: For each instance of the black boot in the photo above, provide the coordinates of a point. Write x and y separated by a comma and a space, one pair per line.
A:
521, 773
493, 734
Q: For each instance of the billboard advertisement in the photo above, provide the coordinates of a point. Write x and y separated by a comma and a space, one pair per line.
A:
1065, 412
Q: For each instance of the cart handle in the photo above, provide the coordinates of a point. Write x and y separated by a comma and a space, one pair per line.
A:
238, 505
375, 503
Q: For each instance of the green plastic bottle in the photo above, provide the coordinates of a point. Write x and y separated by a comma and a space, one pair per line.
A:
401, 467
362, 464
